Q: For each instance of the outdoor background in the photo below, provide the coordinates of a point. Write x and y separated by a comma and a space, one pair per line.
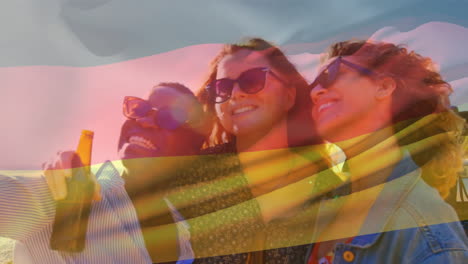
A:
66, 64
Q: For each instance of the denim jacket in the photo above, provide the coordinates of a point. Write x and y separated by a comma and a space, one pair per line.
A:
408, 223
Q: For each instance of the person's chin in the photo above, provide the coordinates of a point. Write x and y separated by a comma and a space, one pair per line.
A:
137, 159
332, 130
242, 129
132, 151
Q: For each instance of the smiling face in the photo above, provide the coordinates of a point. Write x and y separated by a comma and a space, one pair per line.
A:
142, 137
246, 113
348, 107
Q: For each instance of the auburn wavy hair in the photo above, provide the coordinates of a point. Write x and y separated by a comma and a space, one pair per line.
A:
300, 127
421, 93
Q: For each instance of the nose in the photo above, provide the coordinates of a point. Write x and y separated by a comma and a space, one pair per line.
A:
316, 92
148, 121
237, 92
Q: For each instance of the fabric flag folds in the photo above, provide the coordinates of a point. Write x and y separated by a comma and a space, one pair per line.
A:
66, 65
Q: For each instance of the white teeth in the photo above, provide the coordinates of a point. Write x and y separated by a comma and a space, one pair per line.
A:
243, 109
323, 106
142, 142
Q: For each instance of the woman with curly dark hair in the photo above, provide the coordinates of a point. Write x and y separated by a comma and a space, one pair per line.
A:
387, 108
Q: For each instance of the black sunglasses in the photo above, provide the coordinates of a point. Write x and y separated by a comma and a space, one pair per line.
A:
169, 118
330, 73
250, 81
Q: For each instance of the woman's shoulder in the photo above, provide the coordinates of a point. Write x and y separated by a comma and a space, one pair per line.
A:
420, 244
424, 215
425, 204
212, 164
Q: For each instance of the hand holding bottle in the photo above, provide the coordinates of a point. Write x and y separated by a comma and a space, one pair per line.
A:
59, 171
73, 186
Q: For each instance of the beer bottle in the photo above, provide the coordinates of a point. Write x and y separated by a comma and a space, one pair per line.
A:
72, 213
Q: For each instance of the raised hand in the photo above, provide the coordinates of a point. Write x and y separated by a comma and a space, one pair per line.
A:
61, 169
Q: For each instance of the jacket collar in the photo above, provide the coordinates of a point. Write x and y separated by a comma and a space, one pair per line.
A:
401, 181
108, 176
399, 184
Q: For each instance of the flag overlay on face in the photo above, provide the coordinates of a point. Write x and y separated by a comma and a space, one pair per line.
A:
67, 65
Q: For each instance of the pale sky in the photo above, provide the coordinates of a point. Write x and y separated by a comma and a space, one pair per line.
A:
66, 67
